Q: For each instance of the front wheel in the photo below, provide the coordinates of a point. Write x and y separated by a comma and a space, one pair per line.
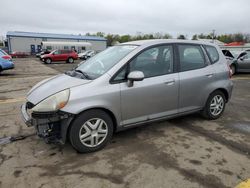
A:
47, 61
91, 131
215, 105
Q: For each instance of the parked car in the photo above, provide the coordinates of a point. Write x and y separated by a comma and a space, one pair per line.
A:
238, 63
87, 54
19, 54
5, 61
60, 55
42, 53
80, 55
128, 85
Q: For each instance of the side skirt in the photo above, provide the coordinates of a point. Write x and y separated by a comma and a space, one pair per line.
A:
128, 126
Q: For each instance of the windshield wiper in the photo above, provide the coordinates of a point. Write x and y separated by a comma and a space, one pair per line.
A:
83, 73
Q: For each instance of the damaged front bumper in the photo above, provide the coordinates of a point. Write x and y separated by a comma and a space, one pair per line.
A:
51, 126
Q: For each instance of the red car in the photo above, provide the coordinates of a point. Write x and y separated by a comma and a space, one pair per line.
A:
19, 54
60, 55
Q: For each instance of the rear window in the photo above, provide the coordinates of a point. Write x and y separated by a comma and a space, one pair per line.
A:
191, 57
212, 53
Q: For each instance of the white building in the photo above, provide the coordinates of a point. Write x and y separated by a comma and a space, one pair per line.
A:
30, 42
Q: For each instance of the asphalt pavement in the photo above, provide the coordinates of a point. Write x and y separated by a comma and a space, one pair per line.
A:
182, 152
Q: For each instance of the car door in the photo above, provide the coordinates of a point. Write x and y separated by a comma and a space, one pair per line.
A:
244, 62
56, 55
196, 76
64, 55
157, 95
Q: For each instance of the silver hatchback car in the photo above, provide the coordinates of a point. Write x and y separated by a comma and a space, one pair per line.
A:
128, 85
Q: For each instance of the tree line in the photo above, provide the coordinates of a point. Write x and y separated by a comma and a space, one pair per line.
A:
112, 39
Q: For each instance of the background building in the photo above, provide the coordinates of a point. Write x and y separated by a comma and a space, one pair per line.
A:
30, 42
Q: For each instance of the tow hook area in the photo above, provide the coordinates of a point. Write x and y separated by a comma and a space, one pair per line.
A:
9, 139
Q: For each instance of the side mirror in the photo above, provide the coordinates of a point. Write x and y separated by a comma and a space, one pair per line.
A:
134, 76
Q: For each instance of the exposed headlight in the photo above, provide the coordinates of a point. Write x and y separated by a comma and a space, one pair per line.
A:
53, 102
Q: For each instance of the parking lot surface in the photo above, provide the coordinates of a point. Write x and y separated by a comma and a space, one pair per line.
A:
183, 152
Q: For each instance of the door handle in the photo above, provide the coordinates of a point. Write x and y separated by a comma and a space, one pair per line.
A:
209, 75
169, 82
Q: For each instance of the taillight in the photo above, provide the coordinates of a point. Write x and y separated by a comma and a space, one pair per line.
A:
230, 73
6, 57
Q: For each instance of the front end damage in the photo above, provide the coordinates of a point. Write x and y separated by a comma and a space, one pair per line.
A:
51, 126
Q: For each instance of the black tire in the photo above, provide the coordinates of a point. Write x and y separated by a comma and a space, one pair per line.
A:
47, 61
70, 60
78, 123
206, 112
233, 69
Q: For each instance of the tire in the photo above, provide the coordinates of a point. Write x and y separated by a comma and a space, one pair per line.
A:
47, 61
233, 69
70, 60
90, 125
215, 106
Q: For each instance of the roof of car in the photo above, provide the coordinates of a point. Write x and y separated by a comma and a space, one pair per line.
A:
160, 41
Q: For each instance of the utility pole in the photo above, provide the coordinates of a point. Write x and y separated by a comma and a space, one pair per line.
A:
213, 35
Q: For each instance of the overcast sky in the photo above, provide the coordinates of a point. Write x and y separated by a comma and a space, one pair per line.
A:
125, 16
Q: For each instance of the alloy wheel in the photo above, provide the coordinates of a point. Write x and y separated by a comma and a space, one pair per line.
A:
48, 61
216, 105
71, 60
93, 132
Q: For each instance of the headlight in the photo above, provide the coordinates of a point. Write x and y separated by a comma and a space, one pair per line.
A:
53, 103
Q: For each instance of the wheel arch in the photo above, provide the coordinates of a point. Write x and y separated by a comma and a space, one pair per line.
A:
47, 58
224, 91
65, 135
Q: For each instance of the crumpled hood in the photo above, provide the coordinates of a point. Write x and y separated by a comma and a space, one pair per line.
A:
51, 86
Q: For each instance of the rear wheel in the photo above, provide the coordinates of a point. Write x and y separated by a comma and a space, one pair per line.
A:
215, 105
70, 60
48, 61
91, 131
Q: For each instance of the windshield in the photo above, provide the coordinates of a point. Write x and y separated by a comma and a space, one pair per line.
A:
89, 52
105, 60
3, 52
53, 52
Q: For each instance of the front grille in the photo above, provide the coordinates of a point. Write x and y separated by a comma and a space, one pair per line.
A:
42, 115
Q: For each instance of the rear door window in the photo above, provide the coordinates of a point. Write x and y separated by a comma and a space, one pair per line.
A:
212, 53
191, 57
